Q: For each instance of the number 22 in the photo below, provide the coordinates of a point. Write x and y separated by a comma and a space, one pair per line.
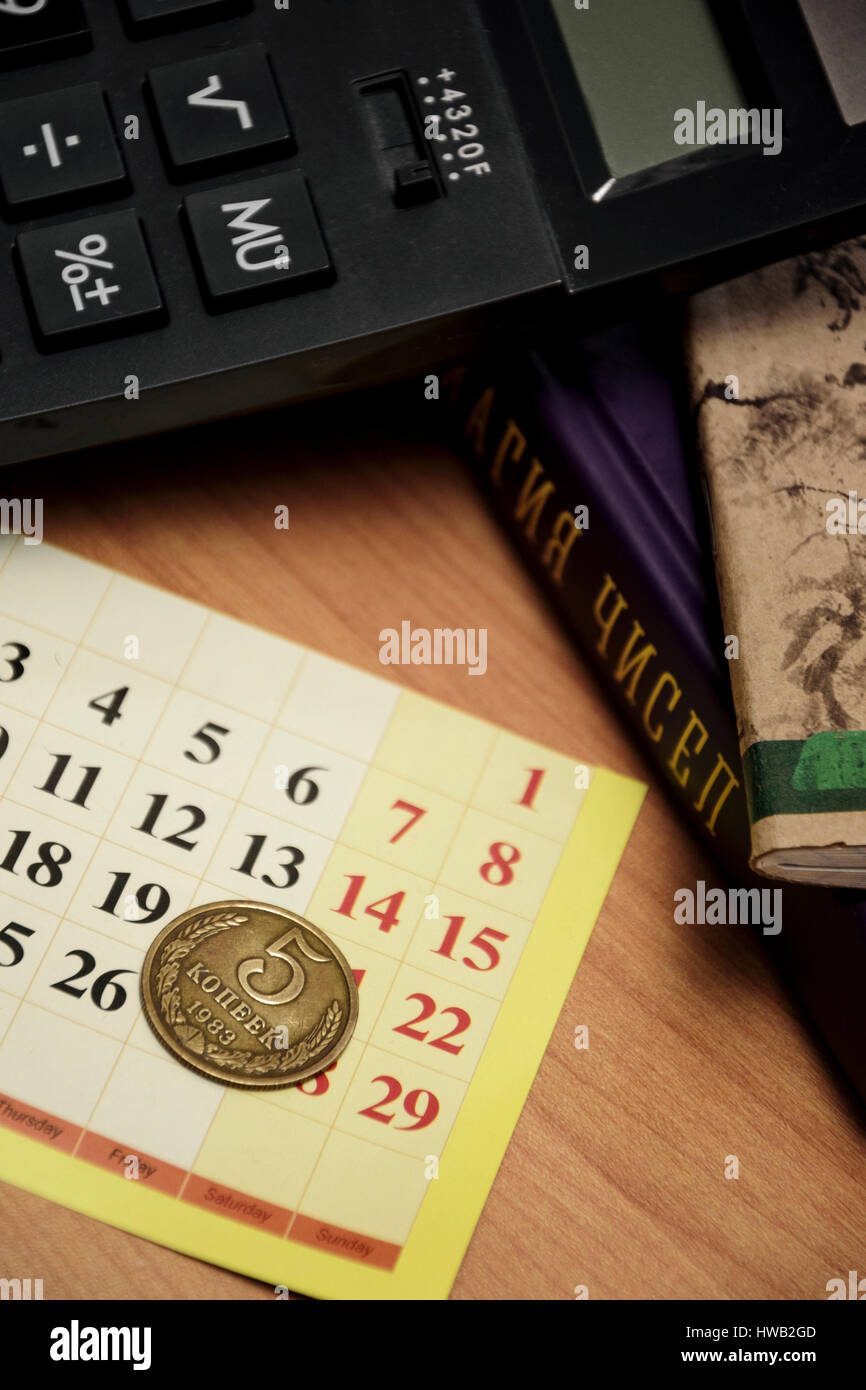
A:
428, 1009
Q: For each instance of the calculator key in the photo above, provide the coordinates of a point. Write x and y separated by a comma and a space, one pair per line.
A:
223, 108
154, 16
90, 279
257, 239
33, 30
58, 145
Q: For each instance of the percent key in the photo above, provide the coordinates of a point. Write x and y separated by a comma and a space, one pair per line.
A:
92, 278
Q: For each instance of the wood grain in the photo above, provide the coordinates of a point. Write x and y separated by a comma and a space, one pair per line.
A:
615, 1175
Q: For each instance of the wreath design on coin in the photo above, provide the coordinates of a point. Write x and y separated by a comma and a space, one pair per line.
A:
318, 1038
169, 1002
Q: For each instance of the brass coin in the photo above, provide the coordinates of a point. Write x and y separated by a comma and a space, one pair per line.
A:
249, 994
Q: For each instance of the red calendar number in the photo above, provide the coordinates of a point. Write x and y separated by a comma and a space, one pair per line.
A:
536, 777
481, 939
499, 865
320, 1083
428, 1009
423, 1112
415, 814
391, 904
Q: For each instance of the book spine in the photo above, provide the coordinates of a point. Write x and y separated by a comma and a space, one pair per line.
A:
610, 601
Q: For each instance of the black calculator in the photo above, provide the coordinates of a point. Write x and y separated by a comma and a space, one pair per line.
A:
213, 206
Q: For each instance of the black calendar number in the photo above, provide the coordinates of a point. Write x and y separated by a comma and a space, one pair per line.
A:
151, 900
108, 706
288, 866
15, 663
105, 992
9, 936
176, 837
4, 740
58, 774
301, 788
47, 870
208, 741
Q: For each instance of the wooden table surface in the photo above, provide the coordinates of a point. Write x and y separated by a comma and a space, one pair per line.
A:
615, 1176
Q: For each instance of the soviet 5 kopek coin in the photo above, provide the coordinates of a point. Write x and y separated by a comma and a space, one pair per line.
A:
249, 994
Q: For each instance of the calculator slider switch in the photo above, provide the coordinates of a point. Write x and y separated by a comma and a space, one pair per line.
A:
395, 134
415, 183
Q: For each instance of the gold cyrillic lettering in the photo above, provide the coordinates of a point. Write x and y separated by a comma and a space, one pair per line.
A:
636, 664
682, 748
607, 625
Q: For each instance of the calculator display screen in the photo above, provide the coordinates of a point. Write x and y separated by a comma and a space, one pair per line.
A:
638, 63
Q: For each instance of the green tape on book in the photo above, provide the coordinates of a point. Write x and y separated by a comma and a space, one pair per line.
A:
789, 777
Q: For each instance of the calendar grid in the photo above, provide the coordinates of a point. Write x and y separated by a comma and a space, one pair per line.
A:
136, 763
102, 840
65, 917
490, 816
357, 1064
36, 729
159, 767
204, 876
435, 885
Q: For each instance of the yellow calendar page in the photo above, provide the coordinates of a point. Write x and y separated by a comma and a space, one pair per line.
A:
154, 756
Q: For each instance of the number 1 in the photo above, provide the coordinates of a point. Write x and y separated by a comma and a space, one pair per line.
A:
536, 777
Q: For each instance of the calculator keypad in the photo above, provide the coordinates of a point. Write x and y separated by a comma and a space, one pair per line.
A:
246, 242
33, 30
257, 239
91, 278
219, 110
58, 145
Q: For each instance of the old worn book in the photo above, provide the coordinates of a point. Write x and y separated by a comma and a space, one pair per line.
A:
778, 369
